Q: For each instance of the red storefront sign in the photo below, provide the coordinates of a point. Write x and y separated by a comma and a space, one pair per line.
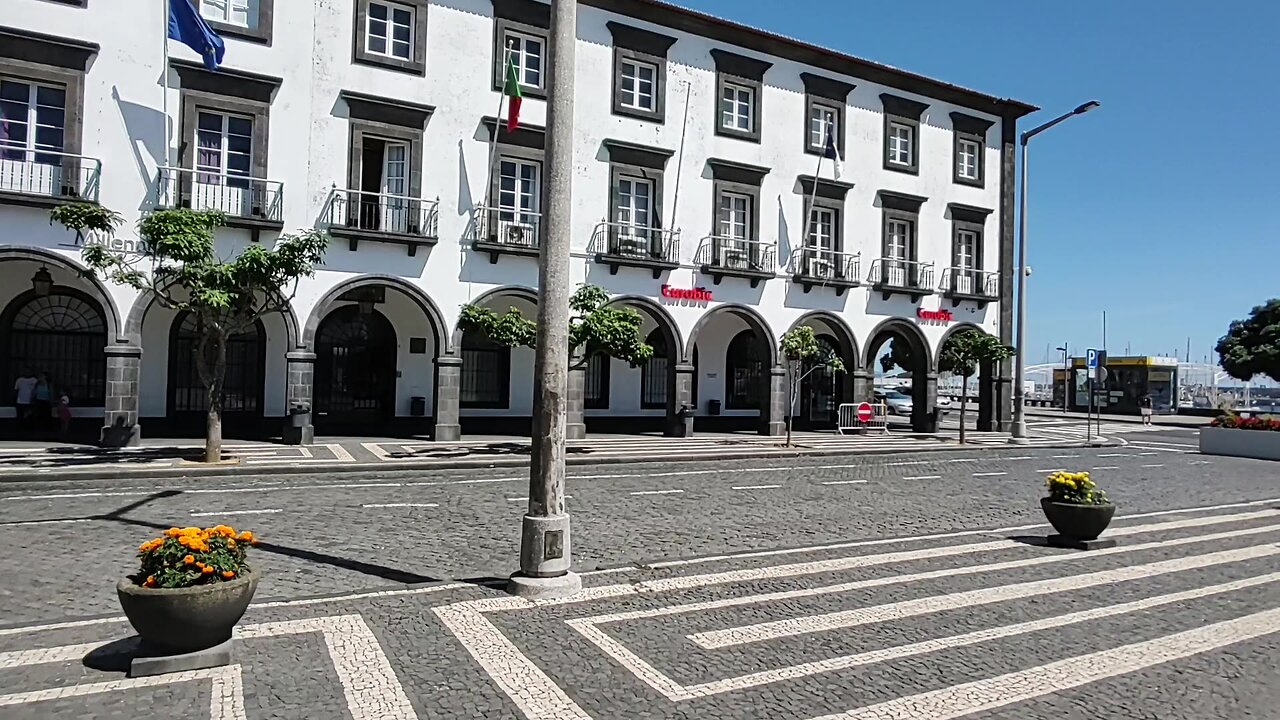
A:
940, 315
695, 294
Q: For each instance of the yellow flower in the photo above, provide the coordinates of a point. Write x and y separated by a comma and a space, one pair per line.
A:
189, 560
227, 574
207, 570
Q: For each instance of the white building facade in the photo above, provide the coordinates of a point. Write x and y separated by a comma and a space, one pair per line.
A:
700, 200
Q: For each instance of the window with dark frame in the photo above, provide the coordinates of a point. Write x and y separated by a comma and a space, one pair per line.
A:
653, 374
825, 100
244, 19
522, 29
528, 53
639, 71
967, 232
902, 133
392, 34
970, 147
63, 334
743, 372
739, 91
224, 149
486, 373
32, 119
596, 382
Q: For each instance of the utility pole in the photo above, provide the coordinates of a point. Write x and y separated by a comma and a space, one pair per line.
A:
545, 549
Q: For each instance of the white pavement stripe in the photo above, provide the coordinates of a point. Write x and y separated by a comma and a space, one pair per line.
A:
867, 561
943, 536
340, 453
1049, 470
526, 498
23, 523
1062, 457
228, 513
527, 686
762, 632
923, 477
845, 482
1152, 466
676, 693
961, 700
959, 460
400, 505
755, 487
1105, 467
989, 474
657, 492
226, 701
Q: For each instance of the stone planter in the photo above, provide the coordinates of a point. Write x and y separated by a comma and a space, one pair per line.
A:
186, 620
1257, 444
1077, 523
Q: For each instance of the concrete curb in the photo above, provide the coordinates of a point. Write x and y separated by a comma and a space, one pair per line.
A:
407, 466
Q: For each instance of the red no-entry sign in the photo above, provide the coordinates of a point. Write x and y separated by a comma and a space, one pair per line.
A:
864, 413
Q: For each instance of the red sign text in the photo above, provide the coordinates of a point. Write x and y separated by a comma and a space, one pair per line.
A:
696, 294
940, 315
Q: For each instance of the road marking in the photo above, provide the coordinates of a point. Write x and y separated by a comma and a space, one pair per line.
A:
756, 487
399, 505
18, 523
1051, 470
340, 453
657, 492
989, 474
951, 460
1021, 457
1145, 454
962, 700
226, 701
791, 627
1062, 457
526, 499
923, 477
1105, 467
1101, 455
1152, 466
845, 482
908, 462
1158, 443
228, 513
676, 692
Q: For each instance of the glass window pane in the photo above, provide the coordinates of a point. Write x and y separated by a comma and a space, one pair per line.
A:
401, 33
10, 90
378, 11
402, 16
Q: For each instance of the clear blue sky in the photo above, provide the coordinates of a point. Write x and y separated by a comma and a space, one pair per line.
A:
1162, 206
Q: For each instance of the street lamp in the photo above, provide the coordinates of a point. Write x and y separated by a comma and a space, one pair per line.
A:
1019, 431
42, 282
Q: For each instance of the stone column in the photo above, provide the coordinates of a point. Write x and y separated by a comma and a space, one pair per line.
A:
300, 371
680, 394
986, 399
923, 419
576, 400
773, 415
864, 383
448, 396
1003, 392
120, 429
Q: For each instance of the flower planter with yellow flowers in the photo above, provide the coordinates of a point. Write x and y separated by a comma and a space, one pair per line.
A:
1077, 509
193, 587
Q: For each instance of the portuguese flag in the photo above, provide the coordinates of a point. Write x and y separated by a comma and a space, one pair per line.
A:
514, 98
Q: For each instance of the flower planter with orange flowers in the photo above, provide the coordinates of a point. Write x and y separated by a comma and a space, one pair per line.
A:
193, 587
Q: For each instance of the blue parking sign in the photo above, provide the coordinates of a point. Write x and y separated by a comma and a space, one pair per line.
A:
1091, 359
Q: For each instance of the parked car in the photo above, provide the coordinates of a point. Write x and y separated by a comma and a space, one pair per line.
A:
944, 403
896, 403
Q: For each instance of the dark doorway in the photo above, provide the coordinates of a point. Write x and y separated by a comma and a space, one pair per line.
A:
355, 385
242, 393
821, 391
899, 361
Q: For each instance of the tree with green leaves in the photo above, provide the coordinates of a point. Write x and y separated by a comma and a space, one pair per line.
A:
1251, 346
804, 355
180, 267
963, 353
594, 328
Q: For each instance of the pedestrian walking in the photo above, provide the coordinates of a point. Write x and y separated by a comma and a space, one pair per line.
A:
64, 413
42, 405
1144, 406
24, 394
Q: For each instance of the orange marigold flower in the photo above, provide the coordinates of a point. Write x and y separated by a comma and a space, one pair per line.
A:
188, 560
231, 544
228, 574
172, 532
207, 570
223, 531
246, 536
150, 581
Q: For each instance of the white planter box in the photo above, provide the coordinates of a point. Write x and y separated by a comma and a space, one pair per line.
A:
1259, 444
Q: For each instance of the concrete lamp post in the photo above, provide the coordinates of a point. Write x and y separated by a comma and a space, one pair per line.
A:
1019, 430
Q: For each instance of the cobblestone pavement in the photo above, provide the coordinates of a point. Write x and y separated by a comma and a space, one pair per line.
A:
1180, 620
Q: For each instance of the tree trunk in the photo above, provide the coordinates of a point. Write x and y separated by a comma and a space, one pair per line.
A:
964, 403
213, 343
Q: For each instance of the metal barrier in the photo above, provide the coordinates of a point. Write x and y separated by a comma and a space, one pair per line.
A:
847, 418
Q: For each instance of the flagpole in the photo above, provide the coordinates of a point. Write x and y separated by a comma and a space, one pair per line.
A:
813, 197
164, 73
684, 130
497, 126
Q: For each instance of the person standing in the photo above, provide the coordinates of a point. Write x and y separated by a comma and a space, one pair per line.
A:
42, 407
1144, 406
64, 413
24, 394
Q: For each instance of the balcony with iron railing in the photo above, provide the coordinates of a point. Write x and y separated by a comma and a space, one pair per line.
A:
722, 257
379, 217
625, 245
505, 231
46, 179
903, 277
249, 203
960, 284
823, 267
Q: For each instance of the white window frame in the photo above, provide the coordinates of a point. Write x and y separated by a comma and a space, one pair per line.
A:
902, 139
903, 230
816, 237
731, 109
638, 203
633, 99
968, 155
520, 54
389, 38
223, 171
30, 147
729, 216
967, 249
823, 117
525, 202
227, 11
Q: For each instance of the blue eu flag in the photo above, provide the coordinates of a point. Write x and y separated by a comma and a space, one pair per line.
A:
187, 27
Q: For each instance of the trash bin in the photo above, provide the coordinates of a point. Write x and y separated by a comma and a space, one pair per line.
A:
417, 406
713, 407
299, 415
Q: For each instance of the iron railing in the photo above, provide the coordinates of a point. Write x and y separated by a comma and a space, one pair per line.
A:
908, 274
822, 263
967, 281
635, 242
732, 253
381, 213
49, 174
507, 226
237, 196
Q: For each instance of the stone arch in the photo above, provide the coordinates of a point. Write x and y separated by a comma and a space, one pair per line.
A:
146, 299
904, 329
750, 316
657, 313
444, 341
957, 328
986, 377
520, 291
840, 329
924, 376
99, 292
